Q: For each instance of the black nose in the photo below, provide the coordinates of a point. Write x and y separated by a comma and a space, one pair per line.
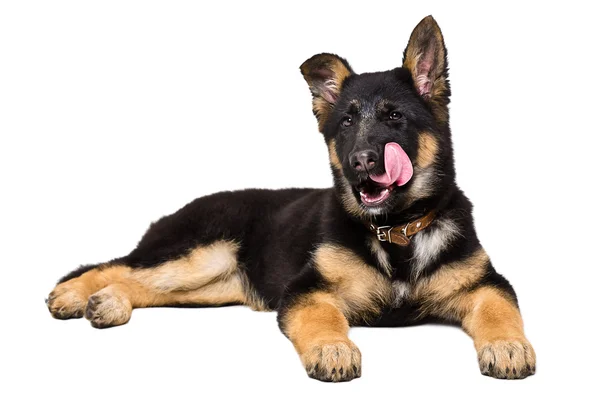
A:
364, 160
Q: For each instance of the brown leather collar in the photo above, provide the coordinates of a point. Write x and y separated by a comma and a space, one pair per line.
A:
401, 234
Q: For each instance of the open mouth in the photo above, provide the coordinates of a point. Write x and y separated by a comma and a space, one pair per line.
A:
373, 194
377, 189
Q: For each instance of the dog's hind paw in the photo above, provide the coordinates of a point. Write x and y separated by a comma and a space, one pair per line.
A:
66, 301
108, 308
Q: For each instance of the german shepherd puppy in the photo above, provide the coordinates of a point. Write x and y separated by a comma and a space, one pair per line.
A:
391, 244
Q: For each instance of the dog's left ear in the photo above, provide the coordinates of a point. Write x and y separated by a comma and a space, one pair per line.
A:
425, 58
325, 75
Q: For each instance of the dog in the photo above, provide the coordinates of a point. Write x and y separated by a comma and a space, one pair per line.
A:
392, 243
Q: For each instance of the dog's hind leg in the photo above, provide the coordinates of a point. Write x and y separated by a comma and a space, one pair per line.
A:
208, 275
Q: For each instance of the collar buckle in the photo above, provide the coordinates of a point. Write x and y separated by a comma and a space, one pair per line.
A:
401, 234
383, 233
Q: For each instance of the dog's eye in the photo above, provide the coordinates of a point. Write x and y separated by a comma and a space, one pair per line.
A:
347, 121
395, 116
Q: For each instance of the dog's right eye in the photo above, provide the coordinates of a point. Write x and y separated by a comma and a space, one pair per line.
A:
347, 121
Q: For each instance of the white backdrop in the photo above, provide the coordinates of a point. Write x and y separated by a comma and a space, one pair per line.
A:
115, 113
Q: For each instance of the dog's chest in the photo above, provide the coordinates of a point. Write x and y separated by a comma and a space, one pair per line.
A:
401, 292
405, 269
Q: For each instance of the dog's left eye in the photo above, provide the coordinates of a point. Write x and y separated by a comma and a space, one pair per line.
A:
395, 116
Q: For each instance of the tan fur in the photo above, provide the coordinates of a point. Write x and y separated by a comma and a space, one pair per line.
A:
318, 329
447, 293
208, 275
421, 186
349, 201
486, 313
111, 305
315, 318
69, 299
361, 289
333, 157
347, 197
439, 293
217, 293
341, 73
321, 107
428, 148
512, 359
201, 266
495, 324
491, 316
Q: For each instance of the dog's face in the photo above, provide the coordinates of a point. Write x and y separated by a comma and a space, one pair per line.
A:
387, 132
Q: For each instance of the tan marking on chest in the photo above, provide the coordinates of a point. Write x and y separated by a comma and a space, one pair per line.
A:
362, 290
444, 291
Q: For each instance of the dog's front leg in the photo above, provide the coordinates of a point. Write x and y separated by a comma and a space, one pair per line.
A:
494, 322
319, 331
490, 316
471, 293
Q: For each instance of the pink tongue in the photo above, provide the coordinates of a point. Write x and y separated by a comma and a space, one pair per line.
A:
398, 168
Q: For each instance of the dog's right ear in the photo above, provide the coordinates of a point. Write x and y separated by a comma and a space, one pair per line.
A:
325, 74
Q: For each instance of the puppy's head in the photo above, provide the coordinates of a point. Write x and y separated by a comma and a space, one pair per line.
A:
387, 132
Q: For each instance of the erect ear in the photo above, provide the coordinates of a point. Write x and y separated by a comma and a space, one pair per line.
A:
325, 74
425, 58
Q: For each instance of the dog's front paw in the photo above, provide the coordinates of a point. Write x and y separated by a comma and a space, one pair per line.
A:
336, 361
507, 359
